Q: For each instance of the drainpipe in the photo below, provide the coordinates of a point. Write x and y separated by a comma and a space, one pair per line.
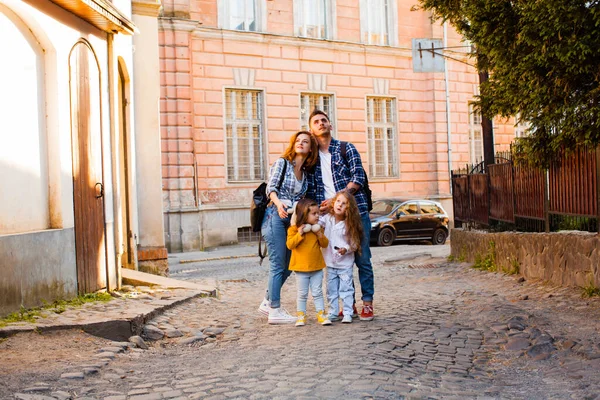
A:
445, 45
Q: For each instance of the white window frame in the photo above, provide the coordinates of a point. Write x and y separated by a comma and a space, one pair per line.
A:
389, 152
224, 11
373, 23
521, 127
236, 173
325, 10
475, 136
304, 114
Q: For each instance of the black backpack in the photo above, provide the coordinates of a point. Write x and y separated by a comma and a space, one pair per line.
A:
258, 207
365, 187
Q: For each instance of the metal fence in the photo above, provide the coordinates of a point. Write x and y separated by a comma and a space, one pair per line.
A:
503, 195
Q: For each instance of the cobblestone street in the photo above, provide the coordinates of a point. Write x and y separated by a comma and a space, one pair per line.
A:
441, 330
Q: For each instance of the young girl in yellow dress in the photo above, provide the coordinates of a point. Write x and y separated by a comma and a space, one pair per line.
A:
305, 239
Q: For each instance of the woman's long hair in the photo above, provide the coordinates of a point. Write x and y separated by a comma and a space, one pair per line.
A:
354, 227
290, 153
302, 210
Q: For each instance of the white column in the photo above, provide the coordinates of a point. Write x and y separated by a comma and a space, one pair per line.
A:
146, 90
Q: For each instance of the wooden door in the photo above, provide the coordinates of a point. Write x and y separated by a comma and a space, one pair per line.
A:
126, 233
88, 190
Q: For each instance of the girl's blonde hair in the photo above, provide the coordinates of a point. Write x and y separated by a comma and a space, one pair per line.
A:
302, 210
354, 227
290, 153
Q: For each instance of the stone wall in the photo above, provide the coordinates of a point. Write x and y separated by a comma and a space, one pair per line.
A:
564, 258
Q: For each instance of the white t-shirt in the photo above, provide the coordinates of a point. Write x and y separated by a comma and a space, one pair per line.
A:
325, 160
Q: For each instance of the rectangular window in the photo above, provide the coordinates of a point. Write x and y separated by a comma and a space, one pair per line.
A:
521, 127
241, 15
310, 101
313, 18
244, 135
475, 135
382, 137
376, 22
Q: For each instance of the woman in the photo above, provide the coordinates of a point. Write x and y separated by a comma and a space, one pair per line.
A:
291, 170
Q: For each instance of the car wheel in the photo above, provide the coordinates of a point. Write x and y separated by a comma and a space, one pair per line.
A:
439, 236
386, 237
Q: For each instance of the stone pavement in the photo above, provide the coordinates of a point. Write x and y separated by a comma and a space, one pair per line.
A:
133, 306
441, 330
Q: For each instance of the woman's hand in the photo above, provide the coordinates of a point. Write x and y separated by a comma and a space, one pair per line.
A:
282, 210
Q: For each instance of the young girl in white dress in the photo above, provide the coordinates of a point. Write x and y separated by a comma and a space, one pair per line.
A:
343, 228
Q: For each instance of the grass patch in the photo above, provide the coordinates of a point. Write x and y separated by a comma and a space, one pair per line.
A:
514, 269
462, 255
590, 290
23, 315
487, 262
58, 306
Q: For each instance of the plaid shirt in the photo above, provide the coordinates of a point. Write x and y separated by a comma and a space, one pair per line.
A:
343, 171
286, 191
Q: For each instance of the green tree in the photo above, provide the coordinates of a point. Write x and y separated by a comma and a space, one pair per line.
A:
544, 63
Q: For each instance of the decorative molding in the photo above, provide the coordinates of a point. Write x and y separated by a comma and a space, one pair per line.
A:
381, 86
201, 32
317, 82
243, 77
177, 24
148, 8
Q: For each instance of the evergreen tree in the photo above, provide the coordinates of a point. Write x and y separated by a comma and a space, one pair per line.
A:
544, 63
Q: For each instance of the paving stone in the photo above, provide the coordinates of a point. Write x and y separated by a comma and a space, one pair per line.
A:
152, 332
138, 342
517, 344
72, 375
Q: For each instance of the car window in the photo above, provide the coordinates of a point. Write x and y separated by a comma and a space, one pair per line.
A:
408, 209
429, 208
382, 207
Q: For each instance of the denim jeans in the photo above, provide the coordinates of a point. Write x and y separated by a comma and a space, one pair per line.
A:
274, 232
340, 285
363, 262
314, 281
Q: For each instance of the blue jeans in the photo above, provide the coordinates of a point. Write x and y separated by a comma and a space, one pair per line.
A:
274, 232
363, 262
314, 281
340, 285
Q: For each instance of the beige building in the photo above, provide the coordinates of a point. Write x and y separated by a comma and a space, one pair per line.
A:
238, 77
80, 141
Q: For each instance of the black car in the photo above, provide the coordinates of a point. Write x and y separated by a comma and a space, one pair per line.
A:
395, 219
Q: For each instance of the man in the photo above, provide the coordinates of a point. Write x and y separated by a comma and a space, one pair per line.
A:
333, 173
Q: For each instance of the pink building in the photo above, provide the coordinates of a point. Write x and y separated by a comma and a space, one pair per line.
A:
239, 76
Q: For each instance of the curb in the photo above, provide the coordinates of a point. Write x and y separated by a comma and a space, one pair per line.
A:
112, 329
216, 258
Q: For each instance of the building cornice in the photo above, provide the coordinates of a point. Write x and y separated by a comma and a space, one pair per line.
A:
201, 32
100, 13
148, 8
177, 24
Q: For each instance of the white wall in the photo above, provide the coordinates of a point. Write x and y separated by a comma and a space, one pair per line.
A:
23, 153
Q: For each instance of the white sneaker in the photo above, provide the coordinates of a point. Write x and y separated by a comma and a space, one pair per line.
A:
264, 307
279, 316
347, 319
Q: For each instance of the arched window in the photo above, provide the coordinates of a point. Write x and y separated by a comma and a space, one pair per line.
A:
23, 149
